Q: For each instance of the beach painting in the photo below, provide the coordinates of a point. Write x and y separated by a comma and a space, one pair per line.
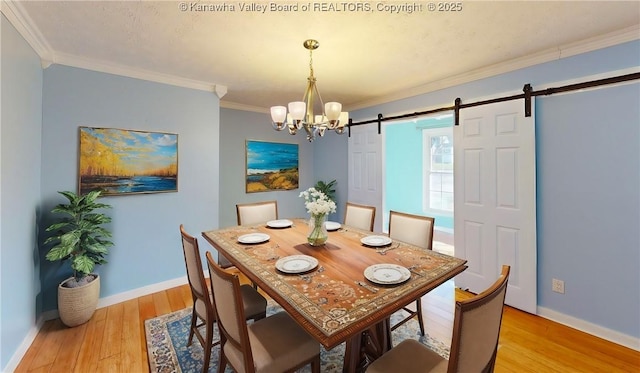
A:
271, 166
119, 161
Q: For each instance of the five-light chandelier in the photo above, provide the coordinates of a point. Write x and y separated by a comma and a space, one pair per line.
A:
301, 112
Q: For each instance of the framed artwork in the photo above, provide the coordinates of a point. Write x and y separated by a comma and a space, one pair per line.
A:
271, 166
120, 162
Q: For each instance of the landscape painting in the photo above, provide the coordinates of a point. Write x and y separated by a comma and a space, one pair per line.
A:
118, 161
271, 166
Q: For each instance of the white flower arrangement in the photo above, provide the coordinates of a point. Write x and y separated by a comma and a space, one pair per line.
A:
317, 203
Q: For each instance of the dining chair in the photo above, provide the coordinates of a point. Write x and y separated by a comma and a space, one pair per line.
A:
474, 345
418, 231
203, 314
250, 214
257, 212
360, 216
274, 344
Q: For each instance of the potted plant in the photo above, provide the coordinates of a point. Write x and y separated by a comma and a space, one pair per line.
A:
327, 188
79, 238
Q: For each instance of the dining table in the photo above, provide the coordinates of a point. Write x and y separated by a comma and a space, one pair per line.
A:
343, 291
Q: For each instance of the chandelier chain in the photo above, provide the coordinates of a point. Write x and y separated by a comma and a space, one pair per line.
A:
311, 63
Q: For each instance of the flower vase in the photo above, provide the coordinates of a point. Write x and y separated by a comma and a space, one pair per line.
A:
317, 230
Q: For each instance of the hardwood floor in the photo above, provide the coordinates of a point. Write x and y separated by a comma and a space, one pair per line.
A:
114, 339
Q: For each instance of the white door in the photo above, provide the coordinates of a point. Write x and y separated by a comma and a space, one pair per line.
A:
365, 169
494, 199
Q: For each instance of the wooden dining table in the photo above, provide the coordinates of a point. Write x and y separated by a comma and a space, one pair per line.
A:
334, 302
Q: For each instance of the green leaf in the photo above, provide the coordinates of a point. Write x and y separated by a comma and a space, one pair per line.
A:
83, 264
58, 253
78, 235
327, 188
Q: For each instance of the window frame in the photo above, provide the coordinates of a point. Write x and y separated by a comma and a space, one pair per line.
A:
427, 134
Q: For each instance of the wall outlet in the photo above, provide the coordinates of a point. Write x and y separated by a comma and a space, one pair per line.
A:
557, 286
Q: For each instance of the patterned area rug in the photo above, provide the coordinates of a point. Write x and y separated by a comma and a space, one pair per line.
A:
168, 352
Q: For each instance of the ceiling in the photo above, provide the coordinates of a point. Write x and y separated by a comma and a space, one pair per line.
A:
365, 57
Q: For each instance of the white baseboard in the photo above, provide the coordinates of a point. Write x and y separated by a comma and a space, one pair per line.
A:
102, 302
136, 293
12, 365
590, 328
127, 295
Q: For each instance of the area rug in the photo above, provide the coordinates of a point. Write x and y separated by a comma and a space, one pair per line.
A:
167, 349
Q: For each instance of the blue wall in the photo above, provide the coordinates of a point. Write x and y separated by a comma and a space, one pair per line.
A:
238, 126
319, 160
145, 226
588, 154
20, 134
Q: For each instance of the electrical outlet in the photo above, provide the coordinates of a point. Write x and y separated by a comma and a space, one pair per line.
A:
557, 286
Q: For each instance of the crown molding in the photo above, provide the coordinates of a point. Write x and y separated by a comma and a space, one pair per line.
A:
564, 51
243, 107
116, 69
19, 18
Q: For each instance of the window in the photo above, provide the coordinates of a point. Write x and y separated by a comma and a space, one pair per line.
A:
438, 169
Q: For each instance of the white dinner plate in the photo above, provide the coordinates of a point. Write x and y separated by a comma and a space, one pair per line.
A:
332, 225
253, 238
376, 241
296, 263
281, 223
387, 274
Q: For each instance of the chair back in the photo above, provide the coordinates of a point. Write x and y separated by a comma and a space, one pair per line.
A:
234, 337
202, 301
476, 328
359, 216
258, 212
413, 229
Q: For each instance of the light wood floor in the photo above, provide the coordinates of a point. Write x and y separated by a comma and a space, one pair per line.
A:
114, 339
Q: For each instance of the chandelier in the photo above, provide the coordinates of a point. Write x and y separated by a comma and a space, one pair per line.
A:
301, 113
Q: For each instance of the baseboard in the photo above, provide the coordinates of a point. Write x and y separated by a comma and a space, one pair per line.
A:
103, 302
590, 328
12, 364
145, 290
127, 295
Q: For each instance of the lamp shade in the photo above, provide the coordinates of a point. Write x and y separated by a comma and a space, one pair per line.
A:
297, 110
278, 114
332, 110
344, 119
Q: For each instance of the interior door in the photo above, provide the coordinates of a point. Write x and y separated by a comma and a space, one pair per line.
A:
495, 205
365, 169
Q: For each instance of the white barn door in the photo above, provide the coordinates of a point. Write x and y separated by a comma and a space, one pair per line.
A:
365, 169
495, 199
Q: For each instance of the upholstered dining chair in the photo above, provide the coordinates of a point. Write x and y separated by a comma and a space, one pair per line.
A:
274, 344
359, 216
257, 212
250, 214
203, 314
418, 231
474, 346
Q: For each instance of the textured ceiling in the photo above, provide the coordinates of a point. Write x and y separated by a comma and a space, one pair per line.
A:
364, 56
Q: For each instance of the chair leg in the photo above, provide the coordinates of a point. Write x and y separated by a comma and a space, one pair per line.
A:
419, 311
194, 321
315, 365
208, 346
222, 365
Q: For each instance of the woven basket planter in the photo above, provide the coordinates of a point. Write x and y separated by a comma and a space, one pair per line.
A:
77, 305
